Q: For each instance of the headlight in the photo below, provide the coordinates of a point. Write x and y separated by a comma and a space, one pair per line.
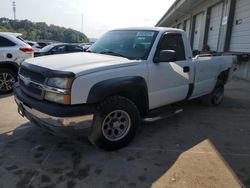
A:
56, 92
63, 83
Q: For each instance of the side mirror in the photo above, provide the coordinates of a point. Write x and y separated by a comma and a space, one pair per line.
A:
166, 56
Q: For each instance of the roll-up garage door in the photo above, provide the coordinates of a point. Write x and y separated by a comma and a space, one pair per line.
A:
180, 25
197, 31
214, 26
240, 39
187, 29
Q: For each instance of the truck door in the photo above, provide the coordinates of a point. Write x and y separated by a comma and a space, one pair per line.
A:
170, 82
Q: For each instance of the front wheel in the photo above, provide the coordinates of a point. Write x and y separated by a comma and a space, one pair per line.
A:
7, 80
216, 96
115, 123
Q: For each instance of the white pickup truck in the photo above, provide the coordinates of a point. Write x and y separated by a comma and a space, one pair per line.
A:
120, 79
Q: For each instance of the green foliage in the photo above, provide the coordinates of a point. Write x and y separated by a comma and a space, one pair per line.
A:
40, 30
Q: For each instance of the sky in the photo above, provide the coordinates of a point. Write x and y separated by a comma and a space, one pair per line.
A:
98, 16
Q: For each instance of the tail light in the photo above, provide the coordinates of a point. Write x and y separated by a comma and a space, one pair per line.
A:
27, 50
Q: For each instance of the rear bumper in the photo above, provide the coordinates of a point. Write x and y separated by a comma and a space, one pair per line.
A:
62, 120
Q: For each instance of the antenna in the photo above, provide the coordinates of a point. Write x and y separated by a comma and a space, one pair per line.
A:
14, 9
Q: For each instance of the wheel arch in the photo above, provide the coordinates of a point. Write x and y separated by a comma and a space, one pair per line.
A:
9, 65
132, 87
224, 75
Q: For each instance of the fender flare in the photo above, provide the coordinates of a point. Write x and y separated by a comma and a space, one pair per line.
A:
121, 85
223, 75
9, 64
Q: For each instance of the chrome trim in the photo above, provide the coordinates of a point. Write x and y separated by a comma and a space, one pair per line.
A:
27, 81
78, 122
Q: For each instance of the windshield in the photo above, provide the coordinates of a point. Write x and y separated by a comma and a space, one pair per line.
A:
132, 44
47, 48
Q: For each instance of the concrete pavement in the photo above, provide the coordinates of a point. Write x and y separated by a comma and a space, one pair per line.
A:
201, 147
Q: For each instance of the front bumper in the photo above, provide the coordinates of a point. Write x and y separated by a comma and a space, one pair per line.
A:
65, 121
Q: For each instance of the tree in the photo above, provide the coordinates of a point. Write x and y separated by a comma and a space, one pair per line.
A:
40, 30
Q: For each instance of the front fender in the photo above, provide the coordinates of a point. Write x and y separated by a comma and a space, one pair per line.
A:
113, 86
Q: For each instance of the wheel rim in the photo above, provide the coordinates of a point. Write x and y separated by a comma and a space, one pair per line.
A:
7, 81
218, 95
116, 125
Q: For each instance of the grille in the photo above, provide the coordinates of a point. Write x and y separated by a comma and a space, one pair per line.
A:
32, 75
29, 89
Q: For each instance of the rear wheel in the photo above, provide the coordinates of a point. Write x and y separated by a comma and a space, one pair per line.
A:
115, 123
7, 80
216, 96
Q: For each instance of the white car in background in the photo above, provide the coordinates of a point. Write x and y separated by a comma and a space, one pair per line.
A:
13, 51
36, 47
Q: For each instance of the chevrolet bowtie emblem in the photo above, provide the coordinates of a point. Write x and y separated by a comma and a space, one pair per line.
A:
26, 80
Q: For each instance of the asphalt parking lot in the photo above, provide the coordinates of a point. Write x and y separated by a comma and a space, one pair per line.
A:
201, 147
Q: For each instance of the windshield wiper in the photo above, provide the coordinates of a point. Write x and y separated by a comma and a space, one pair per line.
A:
112, 53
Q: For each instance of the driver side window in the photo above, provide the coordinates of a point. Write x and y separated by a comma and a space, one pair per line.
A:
173, 41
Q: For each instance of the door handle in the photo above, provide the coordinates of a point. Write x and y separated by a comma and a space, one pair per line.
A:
186, 69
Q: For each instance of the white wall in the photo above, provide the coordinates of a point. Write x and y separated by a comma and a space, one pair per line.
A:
243, 71
240, 39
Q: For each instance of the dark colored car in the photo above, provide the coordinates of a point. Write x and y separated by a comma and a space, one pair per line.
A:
43, 44
59, 49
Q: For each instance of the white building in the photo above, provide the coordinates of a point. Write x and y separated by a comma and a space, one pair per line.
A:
214, 25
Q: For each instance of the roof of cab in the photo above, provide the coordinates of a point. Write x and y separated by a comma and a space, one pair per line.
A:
159, 29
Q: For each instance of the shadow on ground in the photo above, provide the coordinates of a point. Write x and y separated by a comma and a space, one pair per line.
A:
5, 95
30, 157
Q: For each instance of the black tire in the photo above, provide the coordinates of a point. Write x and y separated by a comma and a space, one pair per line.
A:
106, 122
7, 79
215, 98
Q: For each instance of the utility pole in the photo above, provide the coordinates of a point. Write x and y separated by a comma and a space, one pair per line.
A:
14, 9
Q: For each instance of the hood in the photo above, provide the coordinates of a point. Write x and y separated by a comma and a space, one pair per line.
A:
81, 63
